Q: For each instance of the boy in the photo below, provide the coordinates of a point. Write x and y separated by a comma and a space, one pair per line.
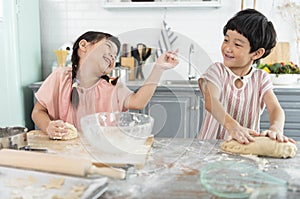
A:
235, 92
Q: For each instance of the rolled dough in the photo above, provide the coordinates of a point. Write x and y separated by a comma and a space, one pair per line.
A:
71, 134
55, 183
263, 146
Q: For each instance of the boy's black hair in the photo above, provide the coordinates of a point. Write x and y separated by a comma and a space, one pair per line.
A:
256, 28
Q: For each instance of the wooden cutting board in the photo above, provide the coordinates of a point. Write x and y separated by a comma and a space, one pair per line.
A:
80, 147
281, 53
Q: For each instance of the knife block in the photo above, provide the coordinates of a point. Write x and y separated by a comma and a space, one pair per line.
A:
130, 63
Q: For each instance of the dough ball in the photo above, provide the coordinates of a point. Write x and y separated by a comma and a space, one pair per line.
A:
71, 134
263, 146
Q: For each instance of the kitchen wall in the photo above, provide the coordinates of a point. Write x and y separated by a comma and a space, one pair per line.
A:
65, 20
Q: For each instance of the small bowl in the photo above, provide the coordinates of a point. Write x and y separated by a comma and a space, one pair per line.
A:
117, 132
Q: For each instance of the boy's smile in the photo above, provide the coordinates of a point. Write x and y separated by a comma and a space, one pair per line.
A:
236, 53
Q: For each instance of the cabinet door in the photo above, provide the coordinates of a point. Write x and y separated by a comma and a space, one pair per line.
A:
199, 113
175, 113
289, 101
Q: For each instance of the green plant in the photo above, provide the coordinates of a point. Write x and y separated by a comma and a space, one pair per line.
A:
280, 68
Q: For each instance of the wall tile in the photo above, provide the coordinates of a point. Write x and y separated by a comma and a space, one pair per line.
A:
65, 20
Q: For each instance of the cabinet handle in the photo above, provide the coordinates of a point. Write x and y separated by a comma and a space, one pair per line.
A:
195, 107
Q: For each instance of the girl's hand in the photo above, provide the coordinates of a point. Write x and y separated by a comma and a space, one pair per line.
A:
167, 60
277, 136
242, 135
56, 129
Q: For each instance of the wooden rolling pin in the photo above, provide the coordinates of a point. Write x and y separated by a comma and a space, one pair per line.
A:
56, 164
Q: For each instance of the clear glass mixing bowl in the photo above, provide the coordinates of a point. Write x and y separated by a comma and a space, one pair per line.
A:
116, 132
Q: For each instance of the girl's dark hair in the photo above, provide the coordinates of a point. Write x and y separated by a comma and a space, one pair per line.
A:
92, 37
256, 28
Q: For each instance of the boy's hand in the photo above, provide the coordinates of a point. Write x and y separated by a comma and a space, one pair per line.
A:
276, 136
242, 135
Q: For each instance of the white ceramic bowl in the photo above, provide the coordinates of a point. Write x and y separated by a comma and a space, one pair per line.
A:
117, 132
284, 79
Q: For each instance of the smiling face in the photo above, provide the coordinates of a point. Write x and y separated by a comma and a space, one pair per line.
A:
98, 58
236, 51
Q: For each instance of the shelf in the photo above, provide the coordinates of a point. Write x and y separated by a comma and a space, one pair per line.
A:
169, 4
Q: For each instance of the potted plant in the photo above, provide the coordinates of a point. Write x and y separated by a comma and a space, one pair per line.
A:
282, 73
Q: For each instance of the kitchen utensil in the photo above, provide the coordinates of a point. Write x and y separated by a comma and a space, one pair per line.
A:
69, 47
61, 56
130, 63
141, 54
231, 179
29, 148
81, 148
117, 132
13, 137
126, 50
121, 72
56, 164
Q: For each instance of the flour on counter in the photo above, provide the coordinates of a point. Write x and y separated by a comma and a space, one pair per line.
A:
262, 163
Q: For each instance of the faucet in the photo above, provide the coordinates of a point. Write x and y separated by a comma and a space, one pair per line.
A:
191, 50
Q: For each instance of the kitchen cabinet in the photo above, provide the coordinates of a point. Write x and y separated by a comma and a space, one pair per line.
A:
290, 101
109, 4
177, 114
177, 111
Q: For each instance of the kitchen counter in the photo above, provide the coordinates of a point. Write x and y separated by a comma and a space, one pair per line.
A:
175, 84
174, 166
181, 85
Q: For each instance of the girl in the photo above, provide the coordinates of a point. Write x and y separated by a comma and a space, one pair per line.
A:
71, 93
235, 92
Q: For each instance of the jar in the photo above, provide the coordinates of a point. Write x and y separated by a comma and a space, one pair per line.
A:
121, 72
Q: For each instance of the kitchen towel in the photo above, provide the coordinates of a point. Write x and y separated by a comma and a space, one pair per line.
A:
166, 39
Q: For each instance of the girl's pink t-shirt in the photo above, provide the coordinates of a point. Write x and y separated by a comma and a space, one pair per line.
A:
55, 94
244, 104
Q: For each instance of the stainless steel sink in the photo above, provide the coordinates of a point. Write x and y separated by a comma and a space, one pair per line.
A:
180, 82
